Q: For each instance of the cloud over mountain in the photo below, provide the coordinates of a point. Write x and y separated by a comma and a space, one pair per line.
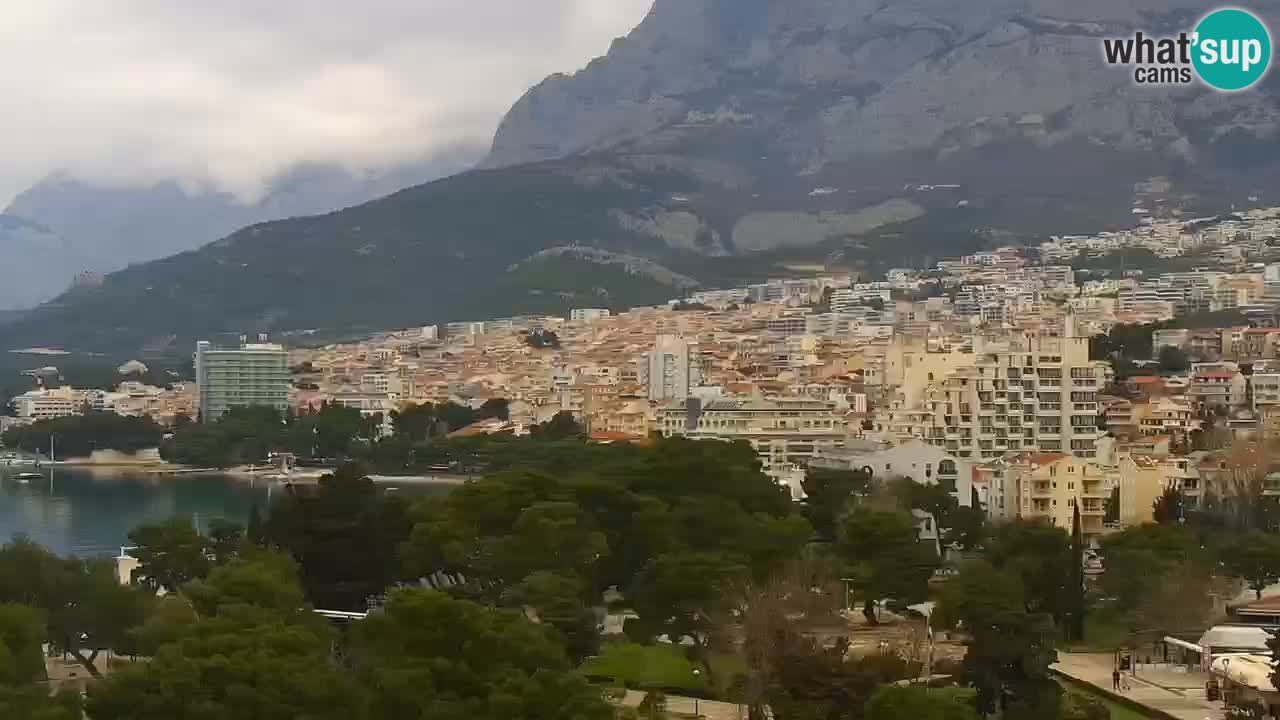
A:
227, 95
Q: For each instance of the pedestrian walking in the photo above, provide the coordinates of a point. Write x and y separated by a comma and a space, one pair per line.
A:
1115, 679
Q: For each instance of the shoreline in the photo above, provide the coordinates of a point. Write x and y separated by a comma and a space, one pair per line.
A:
251, 473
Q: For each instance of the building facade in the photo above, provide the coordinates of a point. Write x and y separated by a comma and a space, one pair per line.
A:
250, 375
1016, 394
672, 371
787, 433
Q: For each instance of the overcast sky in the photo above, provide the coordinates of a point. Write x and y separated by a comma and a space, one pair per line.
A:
231, 91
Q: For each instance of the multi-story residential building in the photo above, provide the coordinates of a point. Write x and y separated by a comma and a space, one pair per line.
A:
255, 374
1218, 388
1050, 486
49, 404
1264, 390
1123, 417
672, 370
1141, 482
786, 432
1017, 394
1167, 416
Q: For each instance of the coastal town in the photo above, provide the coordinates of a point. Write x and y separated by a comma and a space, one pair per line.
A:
1096, 383
986, 369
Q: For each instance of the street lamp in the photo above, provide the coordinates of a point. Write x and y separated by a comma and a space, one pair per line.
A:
697, 674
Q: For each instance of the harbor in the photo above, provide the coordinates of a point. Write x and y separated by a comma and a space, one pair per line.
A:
90, 511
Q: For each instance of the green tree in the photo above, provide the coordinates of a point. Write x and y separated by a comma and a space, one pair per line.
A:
1255, 558
33, 702
824, 683
1040, 556
430, 656
22, 633
498, 408
967, 528
1169, 508
893, 702
170, 554
1160, 579
345, 535
80, 435
225, 539
828, 496
1010, 649
552, 536
1173, 359
86, 610
337, 427
687, 594
454, 416
251, 650
243, 435
558, 600
885, 557
416, 422
561, 426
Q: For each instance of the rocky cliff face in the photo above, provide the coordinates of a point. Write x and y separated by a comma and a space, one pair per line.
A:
833, 81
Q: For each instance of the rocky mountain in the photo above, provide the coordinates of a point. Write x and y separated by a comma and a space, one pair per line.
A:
834, 82
719, 138
83, 227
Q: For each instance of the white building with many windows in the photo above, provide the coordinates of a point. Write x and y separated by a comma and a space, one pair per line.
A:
786, 432
1016, 393
673, 373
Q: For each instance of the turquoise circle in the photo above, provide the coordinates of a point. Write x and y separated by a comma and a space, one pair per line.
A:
1233, 34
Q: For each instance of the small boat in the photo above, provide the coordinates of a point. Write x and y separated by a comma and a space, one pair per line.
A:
27, 477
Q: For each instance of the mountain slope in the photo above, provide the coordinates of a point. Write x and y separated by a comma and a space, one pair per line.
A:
867, 77
465, 246
721, 137
103, 229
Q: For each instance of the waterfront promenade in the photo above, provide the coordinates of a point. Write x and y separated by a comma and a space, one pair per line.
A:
1169, 698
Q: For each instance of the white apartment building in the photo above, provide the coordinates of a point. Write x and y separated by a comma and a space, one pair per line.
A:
49, 404
914, 459
1019, 393
786, 432
672, 370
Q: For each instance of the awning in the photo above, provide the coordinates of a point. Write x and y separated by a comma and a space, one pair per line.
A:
1183, 644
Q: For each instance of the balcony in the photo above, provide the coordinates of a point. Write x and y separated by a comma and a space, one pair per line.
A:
1041, 490
1094, 489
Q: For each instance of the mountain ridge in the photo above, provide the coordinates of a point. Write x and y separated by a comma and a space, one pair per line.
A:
719, 139
102, 228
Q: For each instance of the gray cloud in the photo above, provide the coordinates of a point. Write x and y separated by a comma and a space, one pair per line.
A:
230, 92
